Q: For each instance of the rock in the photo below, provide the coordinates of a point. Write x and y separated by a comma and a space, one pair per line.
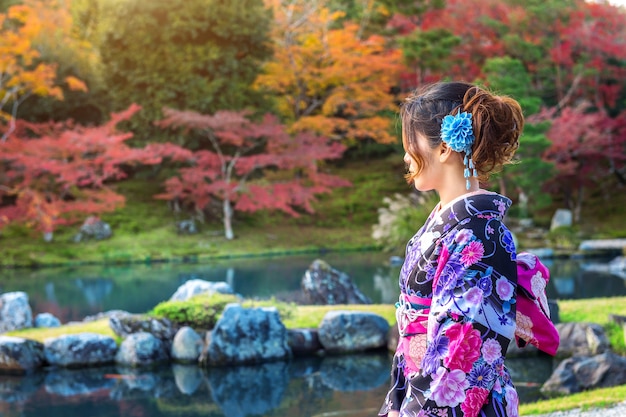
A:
125, 325
187, 345
303, 341
80, 350
19, 356
141, 349
188, 378
245, 336
198, 286
15, 312
324, 285
186, 227
46, 320
106, 314
581, 373
352, 331
581, 339
561, 218
93, 228
393, 338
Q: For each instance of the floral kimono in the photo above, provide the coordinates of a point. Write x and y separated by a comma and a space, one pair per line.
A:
456, 314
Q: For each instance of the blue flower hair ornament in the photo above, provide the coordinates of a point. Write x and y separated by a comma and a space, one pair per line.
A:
457, 133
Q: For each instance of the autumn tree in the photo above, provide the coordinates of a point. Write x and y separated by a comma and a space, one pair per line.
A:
587, 148
250, 166
325, 77
24, 74
201, 55
53, 174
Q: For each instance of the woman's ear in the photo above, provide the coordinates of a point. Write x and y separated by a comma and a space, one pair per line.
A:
444, 152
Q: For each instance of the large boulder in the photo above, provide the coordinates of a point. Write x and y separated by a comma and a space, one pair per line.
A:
141, 349
581, 373
322, 285
125, 325
19, 356
352, 331
15, 312
582, 339
80, 350
186, 346
303, 341
195, 287
246, 336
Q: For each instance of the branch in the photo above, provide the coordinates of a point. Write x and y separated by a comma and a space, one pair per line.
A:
569, 93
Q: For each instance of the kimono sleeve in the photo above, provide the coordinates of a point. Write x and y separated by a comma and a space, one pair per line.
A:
472, 318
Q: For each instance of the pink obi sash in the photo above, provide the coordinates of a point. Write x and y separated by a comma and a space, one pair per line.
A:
534, 325
412, 317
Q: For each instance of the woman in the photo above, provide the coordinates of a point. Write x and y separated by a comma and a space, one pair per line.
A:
456, 313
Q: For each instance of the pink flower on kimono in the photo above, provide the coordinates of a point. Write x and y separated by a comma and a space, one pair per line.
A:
512, 402
474, 296
464, 236
474, 400
448, 388
504, 289
464, 347
491, 350
441, 263
472, 253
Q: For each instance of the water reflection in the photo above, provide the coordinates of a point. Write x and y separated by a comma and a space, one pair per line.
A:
302, 387
348, 385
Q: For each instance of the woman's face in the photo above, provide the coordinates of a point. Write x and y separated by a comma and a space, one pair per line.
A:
430, 174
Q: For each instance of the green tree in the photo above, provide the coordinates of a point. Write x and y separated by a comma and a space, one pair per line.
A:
199, 55
506, 75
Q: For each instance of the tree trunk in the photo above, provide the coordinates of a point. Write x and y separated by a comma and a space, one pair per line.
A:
579, 206
228, 216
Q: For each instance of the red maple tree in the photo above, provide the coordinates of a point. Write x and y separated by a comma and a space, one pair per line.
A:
54, 174
251, 165
587, 147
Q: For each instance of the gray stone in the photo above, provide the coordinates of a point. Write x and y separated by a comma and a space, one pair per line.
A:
581, 339
186, 227
15, 312
188, 378
80, 350
198, 286
93, 228
19, 356
324, 285
581, 373
245, 336
187, 345
46, 320
141, 349
352, 331
303, 341
125, 325
561, 218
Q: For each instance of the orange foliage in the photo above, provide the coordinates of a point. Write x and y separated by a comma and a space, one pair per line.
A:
329, 79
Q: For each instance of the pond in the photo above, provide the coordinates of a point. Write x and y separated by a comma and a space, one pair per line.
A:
71, 293
351, 385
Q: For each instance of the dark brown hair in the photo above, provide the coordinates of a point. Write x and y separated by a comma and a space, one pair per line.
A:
497, 122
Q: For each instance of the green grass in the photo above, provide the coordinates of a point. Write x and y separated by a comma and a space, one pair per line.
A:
585, 400
41, 334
